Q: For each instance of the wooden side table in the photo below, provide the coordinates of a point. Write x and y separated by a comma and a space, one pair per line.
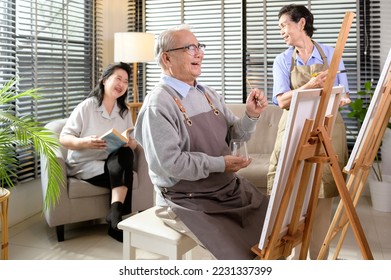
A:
4, 195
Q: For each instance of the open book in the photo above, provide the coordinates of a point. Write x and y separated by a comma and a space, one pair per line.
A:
116, 140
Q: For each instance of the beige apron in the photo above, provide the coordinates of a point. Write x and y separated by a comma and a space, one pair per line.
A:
224, 211
300, 75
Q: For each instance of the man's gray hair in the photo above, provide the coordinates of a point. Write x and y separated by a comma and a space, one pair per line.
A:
166, 40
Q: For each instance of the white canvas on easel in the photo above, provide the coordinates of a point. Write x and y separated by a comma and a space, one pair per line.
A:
363, 133
304, 106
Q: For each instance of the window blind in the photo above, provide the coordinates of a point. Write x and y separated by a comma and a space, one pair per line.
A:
243, 39
7, 55
237, 31
46, 45
216, 24
97, 55
368, 56
159, 15
7, 41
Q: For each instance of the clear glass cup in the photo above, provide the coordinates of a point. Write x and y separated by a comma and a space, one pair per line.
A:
239, 148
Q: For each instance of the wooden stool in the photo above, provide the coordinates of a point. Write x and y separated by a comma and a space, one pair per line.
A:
4, 195
148, 232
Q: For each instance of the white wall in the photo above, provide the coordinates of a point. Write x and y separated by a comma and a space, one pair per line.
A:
25, 200
385, 47
115, 20
385, 23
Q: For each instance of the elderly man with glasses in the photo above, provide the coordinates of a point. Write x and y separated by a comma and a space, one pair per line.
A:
185, 127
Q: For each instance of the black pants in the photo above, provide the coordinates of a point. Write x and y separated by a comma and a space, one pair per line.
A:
118, 172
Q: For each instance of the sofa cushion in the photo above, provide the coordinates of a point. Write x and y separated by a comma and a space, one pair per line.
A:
261, 144
264, 138
256, 172
79, 188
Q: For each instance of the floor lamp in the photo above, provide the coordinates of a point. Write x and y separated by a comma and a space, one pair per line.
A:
134, 47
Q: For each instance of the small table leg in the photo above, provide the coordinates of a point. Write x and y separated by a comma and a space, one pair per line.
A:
128, 251
188, 255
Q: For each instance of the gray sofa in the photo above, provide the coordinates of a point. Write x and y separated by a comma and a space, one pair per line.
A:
80, 201
261, 144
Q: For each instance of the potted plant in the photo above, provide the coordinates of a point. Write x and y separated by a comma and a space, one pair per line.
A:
380, 183
25, 131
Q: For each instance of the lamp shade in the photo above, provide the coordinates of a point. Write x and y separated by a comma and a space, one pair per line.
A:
133, 47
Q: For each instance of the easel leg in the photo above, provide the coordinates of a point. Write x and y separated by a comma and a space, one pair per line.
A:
347, 201
340, 221
340, 241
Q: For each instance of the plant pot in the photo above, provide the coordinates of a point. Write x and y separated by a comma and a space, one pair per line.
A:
381, 194
3, 191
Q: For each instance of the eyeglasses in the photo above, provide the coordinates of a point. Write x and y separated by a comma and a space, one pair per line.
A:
190, 49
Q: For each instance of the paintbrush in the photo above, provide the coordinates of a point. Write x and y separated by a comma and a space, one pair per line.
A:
339, 71
251, 88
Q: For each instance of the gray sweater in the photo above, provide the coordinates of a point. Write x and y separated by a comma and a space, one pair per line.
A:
161, 131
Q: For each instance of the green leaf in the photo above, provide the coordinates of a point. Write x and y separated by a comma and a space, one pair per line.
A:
25, 131
357, 105
368, 86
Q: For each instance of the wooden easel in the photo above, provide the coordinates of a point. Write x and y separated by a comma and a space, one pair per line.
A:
314, 148
358, 174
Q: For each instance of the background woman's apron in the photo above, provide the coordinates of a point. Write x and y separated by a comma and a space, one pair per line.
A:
224, 211
300, 75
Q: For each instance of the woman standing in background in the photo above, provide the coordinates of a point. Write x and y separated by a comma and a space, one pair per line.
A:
304, 65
